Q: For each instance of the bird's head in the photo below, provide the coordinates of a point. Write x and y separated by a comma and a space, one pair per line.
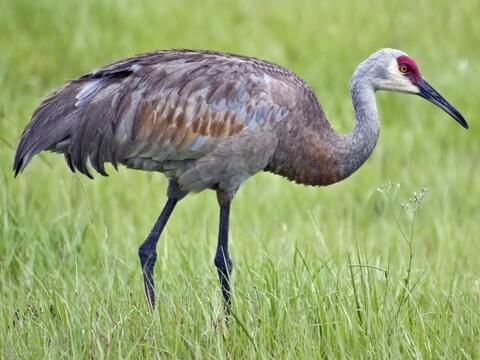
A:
393, 70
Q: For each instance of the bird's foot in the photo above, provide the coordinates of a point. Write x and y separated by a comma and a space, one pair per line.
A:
147, 261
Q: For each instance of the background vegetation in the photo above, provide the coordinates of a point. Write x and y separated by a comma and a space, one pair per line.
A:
337, 272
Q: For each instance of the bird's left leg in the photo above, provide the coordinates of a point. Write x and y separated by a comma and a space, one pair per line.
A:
222, 258
148, 250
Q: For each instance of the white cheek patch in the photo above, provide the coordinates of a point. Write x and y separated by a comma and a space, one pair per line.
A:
400, 82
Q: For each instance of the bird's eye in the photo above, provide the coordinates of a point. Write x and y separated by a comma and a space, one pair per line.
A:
403, 68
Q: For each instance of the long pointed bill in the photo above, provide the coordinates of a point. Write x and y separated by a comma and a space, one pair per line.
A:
432, 95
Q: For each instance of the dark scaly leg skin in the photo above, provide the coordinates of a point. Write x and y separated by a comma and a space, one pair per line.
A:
148, 250
222, 258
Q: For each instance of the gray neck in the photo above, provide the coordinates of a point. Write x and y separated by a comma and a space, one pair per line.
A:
315, 154
355, 147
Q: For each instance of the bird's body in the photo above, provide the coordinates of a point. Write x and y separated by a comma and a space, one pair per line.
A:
205, 119
211, 120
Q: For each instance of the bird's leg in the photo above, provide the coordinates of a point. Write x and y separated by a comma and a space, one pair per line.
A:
148, 250
222, 259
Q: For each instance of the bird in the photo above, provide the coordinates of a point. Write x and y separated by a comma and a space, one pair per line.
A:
209, 120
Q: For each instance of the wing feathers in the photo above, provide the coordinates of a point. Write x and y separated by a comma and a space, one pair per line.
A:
160, 106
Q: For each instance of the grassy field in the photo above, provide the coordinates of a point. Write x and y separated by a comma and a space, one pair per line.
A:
362, 269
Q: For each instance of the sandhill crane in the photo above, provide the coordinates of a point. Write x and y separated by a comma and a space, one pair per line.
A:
210, 120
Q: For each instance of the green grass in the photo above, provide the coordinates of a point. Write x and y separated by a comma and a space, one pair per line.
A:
319, 272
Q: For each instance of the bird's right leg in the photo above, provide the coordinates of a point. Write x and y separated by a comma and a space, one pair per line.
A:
148, 250
222, 258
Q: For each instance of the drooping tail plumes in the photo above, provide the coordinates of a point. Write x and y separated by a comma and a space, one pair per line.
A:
50, 125
67, 122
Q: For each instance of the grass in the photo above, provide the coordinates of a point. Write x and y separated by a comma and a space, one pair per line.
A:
337, 272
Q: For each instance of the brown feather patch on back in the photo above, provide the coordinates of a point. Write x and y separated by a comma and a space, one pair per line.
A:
166, 105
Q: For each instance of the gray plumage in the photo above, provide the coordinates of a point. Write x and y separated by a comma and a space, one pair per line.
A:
206, 119
211, 120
